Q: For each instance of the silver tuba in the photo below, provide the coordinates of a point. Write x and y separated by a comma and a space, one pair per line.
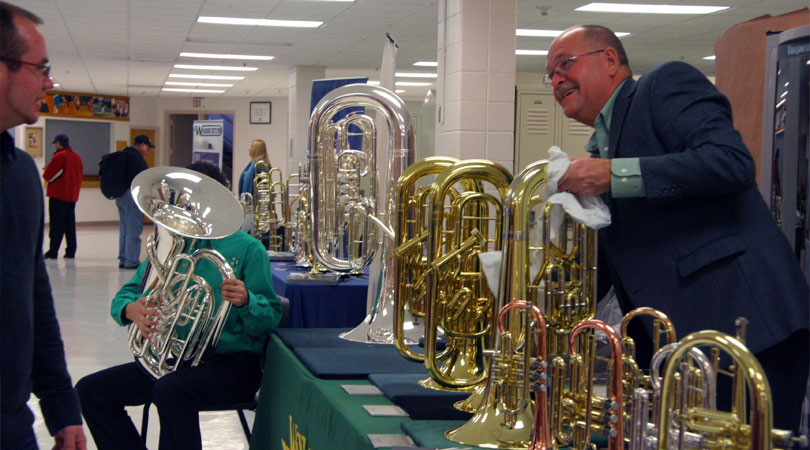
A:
350, 231
183, 203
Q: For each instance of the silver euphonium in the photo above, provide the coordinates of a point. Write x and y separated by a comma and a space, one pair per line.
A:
183, 203
350, 231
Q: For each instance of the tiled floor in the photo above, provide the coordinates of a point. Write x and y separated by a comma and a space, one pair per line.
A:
82, 290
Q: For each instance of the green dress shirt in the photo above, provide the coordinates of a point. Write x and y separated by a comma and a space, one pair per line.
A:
625, 173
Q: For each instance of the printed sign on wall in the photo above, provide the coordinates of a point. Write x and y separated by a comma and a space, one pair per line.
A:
208, 135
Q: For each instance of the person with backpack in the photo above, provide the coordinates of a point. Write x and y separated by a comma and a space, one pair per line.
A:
130, 224
64, 177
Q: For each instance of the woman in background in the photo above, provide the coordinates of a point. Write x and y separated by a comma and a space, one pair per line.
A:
258, 150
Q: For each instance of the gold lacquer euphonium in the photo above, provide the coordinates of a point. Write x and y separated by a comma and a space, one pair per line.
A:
504, 419
410, 256
350, 231
189, 319
719, 429
261, 198
458, 300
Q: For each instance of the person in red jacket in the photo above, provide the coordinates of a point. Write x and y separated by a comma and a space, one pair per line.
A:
64, 177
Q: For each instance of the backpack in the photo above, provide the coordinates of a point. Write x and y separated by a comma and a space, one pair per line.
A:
112, 172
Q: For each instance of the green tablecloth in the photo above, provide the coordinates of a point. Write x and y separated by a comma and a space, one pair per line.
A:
298, 411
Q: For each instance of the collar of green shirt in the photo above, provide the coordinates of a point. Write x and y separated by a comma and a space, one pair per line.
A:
598, 143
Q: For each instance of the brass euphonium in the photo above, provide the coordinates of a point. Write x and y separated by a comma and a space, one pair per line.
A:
410, 256
189, 319
459, 301
350, 231
261, 198
279, 214
730, 430
504, 419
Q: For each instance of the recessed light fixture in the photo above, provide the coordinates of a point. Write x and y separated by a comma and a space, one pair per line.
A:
411, 83
259, 22
416, 75
551, 33
208, 91
629, 8
180, 83
531, 52
206, 77
227, 56
426, 64
56, 85
713, 57
196, 67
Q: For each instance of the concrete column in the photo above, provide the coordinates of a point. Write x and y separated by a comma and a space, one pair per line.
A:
300, 93
476, 84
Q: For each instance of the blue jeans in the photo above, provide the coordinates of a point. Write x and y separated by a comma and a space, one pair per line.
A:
130, 226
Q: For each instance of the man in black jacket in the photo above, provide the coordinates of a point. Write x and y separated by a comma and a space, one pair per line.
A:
33, 358
130, 224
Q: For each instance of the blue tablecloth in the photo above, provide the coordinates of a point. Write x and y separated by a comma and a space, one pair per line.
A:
318, 305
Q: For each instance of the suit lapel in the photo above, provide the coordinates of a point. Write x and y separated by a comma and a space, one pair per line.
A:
620, 108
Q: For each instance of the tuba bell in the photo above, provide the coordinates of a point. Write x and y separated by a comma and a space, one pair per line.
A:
182, 203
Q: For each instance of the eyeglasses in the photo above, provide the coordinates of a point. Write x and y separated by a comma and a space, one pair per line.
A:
44, 69
564, 66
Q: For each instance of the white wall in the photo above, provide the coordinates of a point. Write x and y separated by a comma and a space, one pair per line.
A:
151, 112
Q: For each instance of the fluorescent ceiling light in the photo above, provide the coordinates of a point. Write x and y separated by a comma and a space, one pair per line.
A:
227, 56
416, 75
259, 22
426, 64
196, 67
531, 52
180, 83
400, 91
551, 33
211, 91
373, 83
56, 85
650, 9
206, 77
411, 83
713, 57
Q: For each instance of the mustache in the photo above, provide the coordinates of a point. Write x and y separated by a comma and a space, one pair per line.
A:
563, 87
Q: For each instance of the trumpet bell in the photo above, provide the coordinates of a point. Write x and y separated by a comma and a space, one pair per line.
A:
187, 202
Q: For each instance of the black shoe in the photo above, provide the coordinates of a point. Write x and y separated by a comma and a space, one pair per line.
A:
120, 265
131, 267
70, 256
49, 255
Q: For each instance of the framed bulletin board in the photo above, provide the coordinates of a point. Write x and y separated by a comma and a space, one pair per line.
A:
33, 141
260, 112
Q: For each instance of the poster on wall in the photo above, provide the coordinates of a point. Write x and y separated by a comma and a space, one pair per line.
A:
33, 141
208, 135
85, 106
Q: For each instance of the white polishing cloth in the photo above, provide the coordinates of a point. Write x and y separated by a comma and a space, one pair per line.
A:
590, 211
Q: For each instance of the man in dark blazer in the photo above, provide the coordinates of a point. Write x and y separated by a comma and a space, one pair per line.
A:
690, 234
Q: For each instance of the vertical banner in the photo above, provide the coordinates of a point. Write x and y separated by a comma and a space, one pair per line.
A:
208, 136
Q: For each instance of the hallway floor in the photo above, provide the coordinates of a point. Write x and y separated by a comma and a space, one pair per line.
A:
82, 290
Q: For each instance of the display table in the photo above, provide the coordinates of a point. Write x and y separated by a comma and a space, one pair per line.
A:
318, 305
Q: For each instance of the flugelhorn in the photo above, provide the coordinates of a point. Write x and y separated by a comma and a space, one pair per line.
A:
192, 205
349, 231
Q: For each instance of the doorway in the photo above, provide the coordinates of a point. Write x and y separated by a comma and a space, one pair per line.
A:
181, 139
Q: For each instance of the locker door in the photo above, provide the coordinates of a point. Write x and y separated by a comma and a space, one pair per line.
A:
574, 136
535, 131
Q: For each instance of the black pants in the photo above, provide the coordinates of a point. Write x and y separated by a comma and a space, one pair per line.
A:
179, 396
63, 222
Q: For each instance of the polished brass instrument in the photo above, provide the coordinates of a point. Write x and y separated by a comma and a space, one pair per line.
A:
350, 231
410, 262
504, 418
261, 198
576, 410
719, 429
190, 321
279, 213
459, 301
